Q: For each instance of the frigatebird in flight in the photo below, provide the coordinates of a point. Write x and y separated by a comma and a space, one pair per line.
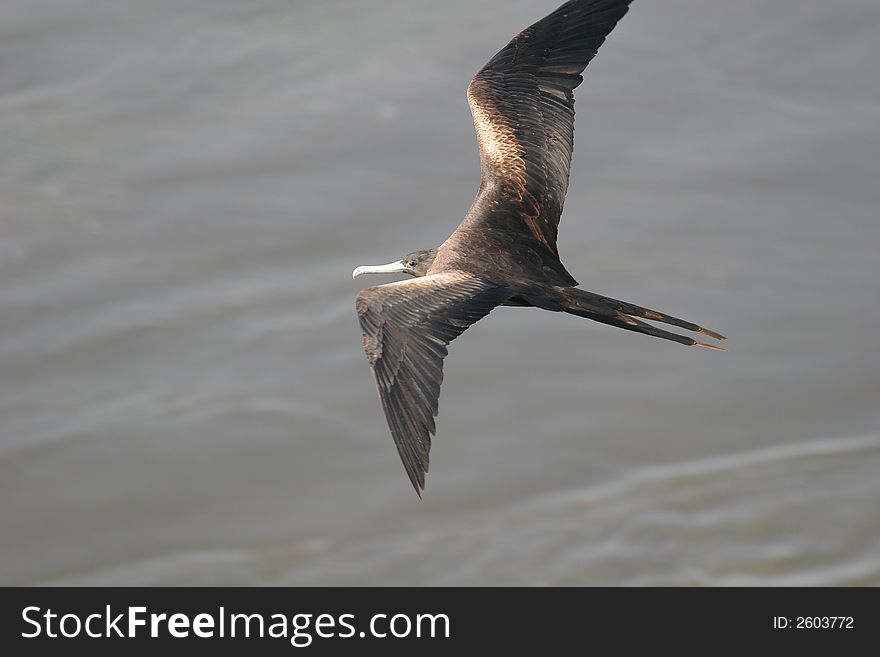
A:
504, 251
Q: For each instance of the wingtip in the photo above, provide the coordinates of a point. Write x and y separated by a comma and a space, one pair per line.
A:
417, 481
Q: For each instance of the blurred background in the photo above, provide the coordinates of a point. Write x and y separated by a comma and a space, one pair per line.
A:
186, 188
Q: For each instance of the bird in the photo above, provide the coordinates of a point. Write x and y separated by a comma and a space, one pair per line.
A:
504, 251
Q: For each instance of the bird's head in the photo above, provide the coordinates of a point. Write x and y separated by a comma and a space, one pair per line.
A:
416, 263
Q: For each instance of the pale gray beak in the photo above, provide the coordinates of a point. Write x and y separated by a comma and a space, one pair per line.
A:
391, 268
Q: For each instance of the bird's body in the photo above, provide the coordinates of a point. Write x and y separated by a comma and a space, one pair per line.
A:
504, 251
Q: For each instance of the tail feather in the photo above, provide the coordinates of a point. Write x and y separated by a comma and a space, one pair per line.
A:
623, 315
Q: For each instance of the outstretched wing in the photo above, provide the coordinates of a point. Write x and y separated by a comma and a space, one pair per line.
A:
406, 327
523, 109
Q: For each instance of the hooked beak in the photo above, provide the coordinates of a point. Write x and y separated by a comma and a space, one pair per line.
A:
391, 268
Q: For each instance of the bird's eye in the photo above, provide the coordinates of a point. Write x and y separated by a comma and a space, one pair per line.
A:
410, 264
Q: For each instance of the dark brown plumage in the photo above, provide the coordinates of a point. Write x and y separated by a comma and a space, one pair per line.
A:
504, 251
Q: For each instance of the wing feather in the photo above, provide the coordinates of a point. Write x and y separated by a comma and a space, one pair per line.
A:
406, 328
523, 109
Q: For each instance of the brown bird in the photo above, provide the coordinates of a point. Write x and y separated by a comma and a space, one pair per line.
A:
504, 251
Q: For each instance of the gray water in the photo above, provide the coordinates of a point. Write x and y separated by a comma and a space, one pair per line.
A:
186, 187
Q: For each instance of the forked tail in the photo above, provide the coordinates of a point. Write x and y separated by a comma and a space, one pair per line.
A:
623, 315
